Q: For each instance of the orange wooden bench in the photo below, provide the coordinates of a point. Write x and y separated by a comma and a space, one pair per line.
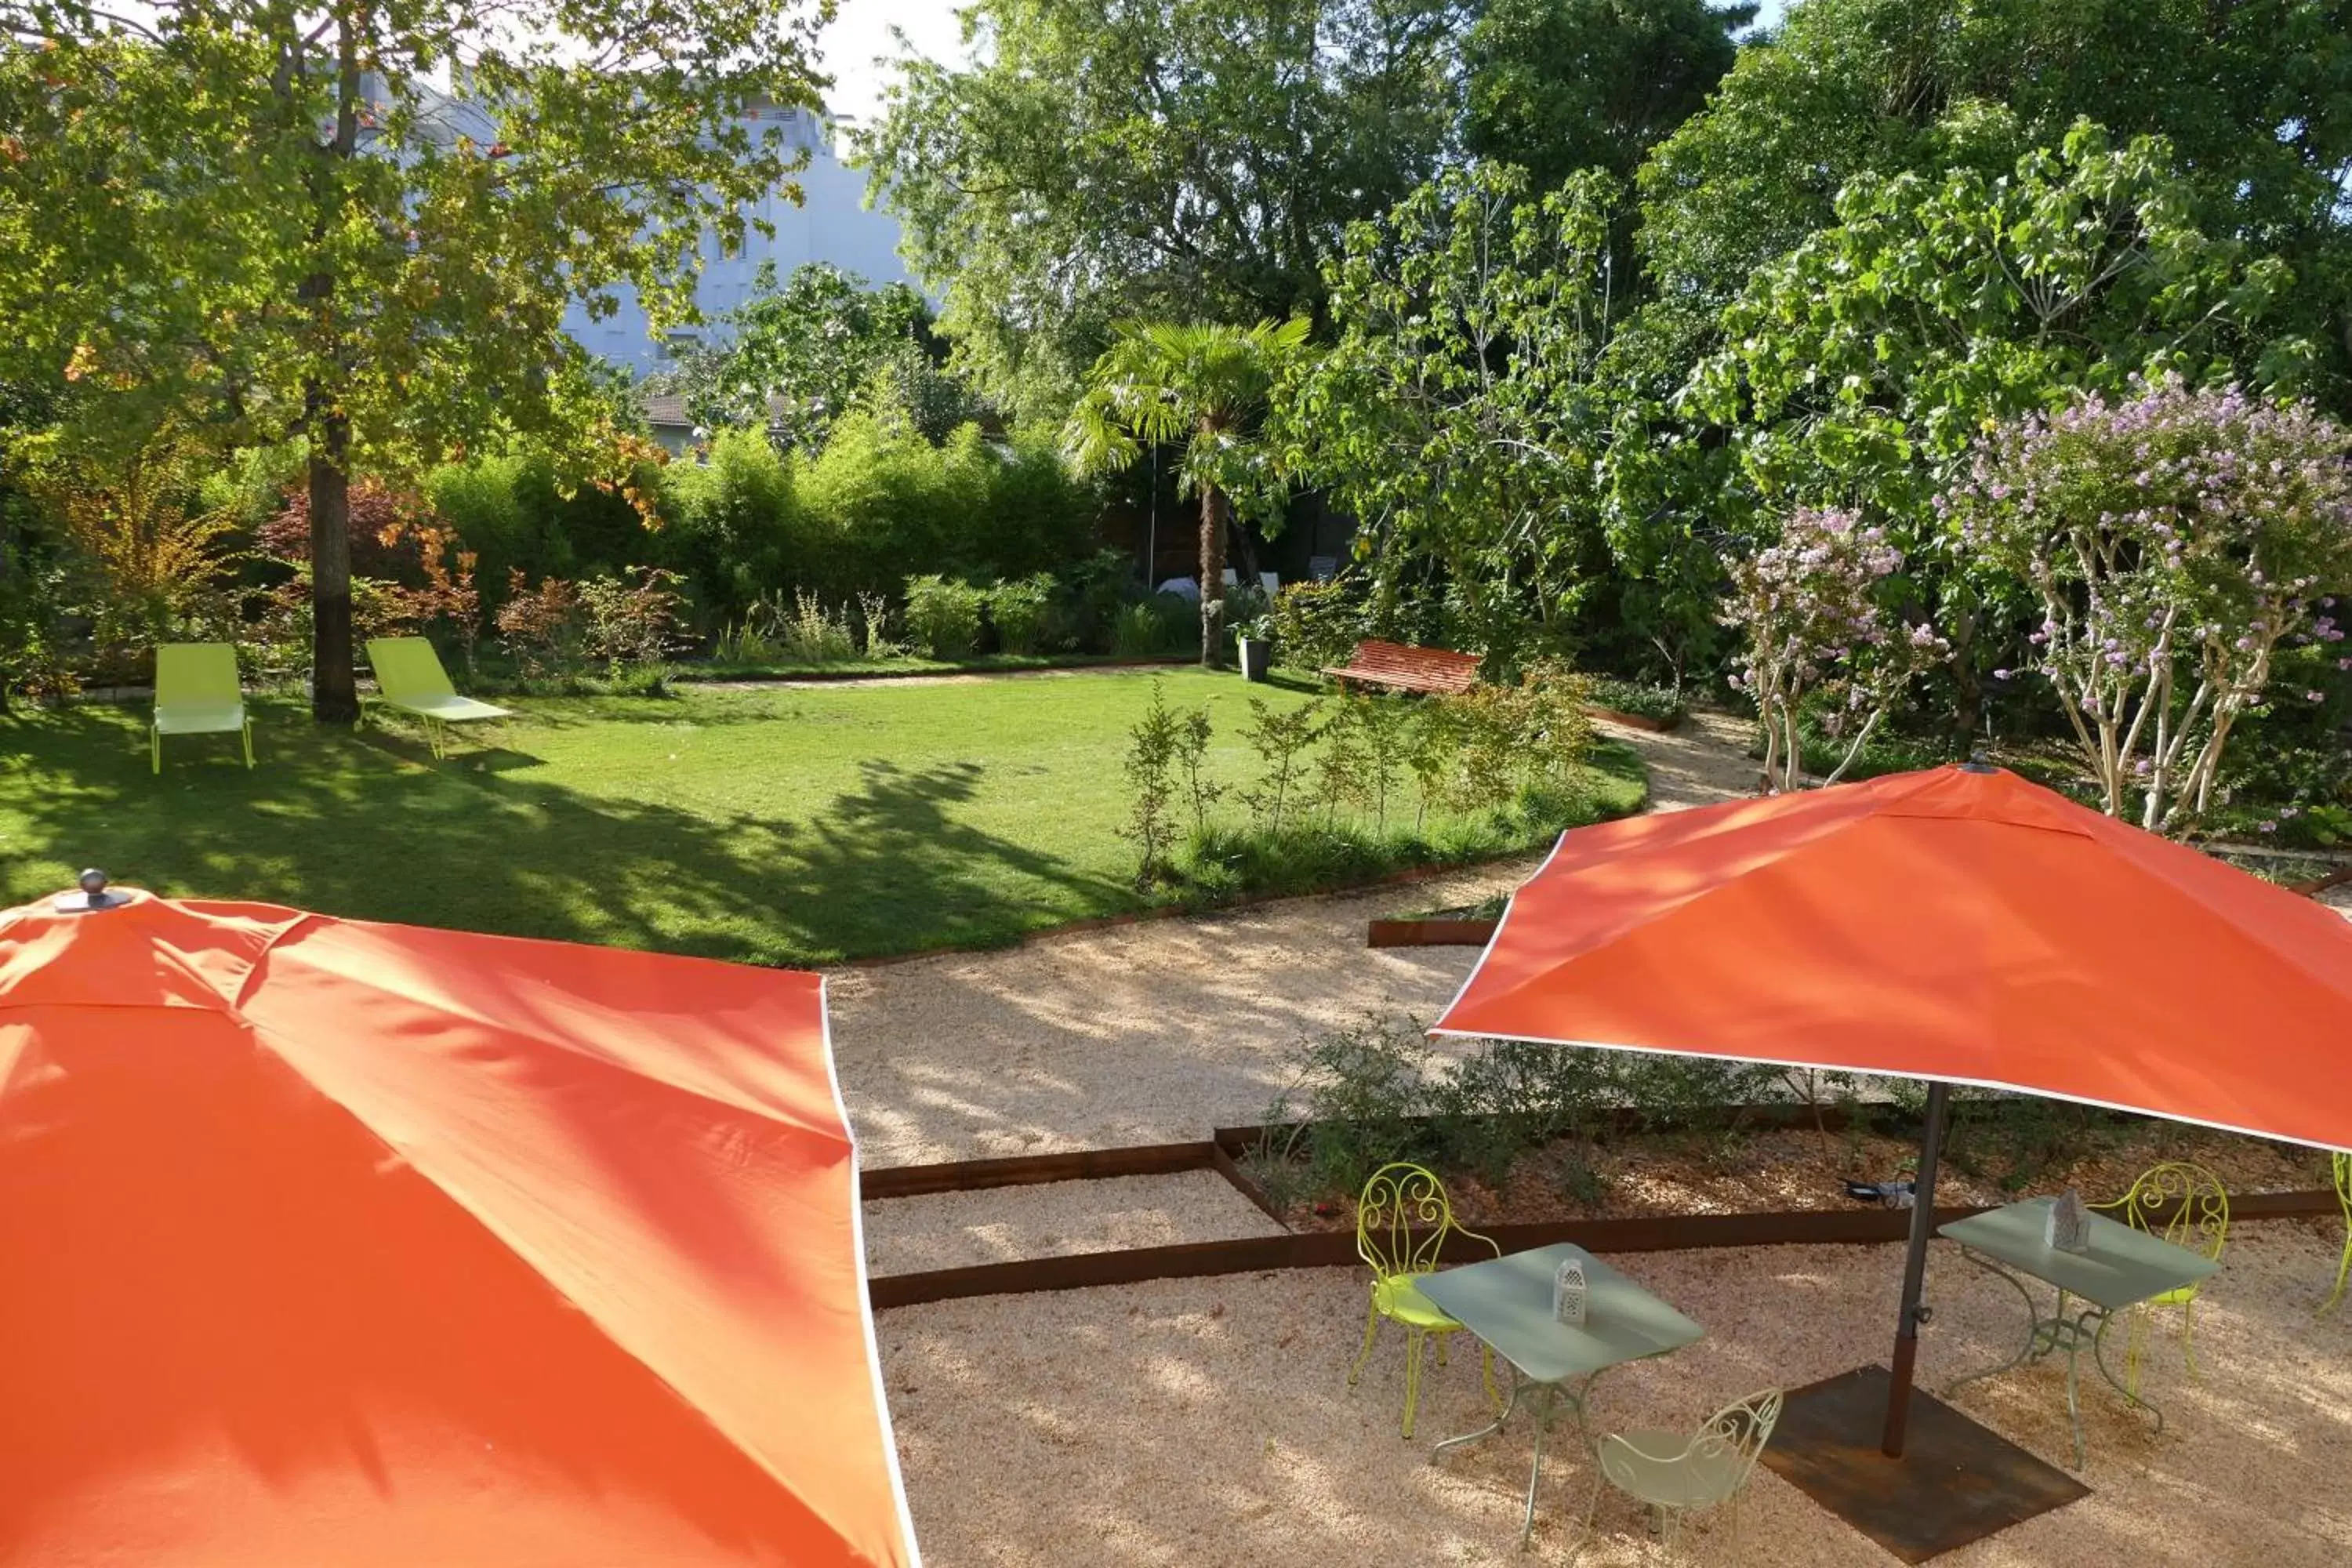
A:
1403, 669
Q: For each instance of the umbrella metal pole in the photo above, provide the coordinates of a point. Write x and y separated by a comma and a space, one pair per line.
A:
1914, 1273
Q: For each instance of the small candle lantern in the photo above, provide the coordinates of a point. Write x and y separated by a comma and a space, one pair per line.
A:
2070, 1227
1568, 1294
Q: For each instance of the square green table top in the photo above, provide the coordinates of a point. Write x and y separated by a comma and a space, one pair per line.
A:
1506, 1302
2121, 1266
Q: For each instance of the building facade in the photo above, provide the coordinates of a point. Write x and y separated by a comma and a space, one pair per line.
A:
831, 223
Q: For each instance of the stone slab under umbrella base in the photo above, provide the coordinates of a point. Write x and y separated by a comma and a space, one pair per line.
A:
1957, 1482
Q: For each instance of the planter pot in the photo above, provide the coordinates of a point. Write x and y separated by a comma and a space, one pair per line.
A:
1257, 658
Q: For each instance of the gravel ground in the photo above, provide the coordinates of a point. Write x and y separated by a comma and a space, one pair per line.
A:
951, 1230
1158, 1031
1207, 1422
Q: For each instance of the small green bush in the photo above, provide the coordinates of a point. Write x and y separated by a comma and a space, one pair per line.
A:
1638, 699
943, 615
1018, 611
1164, 625
1318, 624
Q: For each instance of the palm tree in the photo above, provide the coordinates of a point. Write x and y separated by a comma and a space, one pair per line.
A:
1199, 388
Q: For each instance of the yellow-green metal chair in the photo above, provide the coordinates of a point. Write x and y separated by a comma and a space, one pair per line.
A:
409, 676
2343, 1171
2187, 1206
1402, 1219
197, 693
1678, 1475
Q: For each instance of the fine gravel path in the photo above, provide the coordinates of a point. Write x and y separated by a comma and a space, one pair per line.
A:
1054, 1219
1208, 1423
1160, 1030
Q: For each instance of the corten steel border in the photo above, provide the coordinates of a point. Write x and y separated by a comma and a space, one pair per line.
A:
1429, 934
1326, 1249
1030, 1170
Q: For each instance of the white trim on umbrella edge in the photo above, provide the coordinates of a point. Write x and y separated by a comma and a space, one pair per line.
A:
864, 1296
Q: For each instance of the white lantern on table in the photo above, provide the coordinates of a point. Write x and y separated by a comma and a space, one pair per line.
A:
1567, 1293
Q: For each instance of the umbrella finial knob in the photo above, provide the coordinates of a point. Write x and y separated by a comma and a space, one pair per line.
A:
1976, 765
94, 895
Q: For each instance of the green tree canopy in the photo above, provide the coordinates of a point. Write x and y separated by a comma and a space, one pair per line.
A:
1151, 159
2255, 98
797, 357
1201, 389
1558, 86
276, 221
1458, 415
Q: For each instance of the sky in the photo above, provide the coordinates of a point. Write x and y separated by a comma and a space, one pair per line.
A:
861, 31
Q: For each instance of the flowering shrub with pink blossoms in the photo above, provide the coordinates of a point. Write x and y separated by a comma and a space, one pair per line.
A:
1823, 633
2176, 540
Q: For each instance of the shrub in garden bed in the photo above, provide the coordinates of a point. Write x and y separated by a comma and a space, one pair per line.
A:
1638, 700
943, 616
1347, 788
1523, 1130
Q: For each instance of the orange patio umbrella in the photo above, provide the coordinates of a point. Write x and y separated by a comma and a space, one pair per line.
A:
1957, 925
326, 1244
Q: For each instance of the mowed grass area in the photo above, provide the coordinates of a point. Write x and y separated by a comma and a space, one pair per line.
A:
779, 825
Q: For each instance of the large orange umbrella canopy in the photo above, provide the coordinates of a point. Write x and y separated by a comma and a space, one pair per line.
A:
1954, 924
325, 1242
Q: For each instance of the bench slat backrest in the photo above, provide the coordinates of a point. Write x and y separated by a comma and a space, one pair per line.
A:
1433, 669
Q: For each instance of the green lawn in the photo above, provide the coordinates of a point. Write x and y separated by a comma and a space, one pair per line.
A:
777, 825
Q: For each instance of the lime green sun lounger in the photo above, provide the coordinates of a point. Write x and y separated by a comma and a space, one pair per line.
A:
197, 693
409, 676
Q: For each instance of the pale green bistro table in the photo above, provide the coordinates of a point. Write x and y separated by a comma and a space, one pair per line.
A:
2122, 1268
1507, 1303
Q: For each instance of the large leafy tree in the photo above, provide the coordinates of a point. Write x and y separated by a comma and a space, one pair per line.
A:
271, 219
797, 357
1094, 161
1458, 415
2255, 98
1201, 389
1558, 86
1858, 369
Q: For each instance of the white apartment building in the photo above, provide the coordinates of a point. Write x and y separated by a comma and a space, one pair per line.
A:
831, 223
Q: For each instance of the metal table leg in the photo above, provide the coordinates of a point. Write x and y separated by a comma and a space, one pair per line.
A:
1490, 1429
2058, 1333
1554, 1396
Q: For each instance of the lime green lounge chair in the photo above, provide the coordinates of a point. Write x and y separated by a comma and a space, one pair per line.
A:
197, 693
409, 676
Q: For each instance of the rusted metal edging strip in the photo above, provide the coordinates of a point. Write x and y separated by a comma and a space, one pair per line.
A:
1028, 1170
1324, 1249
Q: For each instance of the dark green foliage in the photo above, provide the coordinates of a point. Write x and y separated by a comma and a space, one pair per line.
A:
1556, 86
749, 523
2017, 1138
1639, 699
1018, 611
943, 615
1318, 624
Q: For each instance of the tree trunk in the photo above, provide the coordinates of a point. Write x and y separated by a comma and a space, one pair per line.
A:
335, 692
1213, 511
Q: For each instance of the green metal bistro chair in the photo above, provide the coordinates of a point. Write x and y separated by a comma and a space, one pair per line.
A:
1677, 1476
197, 693
2343, 1171
1402, 1219
2187, 1205
409, 676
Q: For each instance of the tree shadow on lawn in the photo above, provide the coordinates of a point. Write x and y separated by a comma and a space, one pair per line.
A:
369, 827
